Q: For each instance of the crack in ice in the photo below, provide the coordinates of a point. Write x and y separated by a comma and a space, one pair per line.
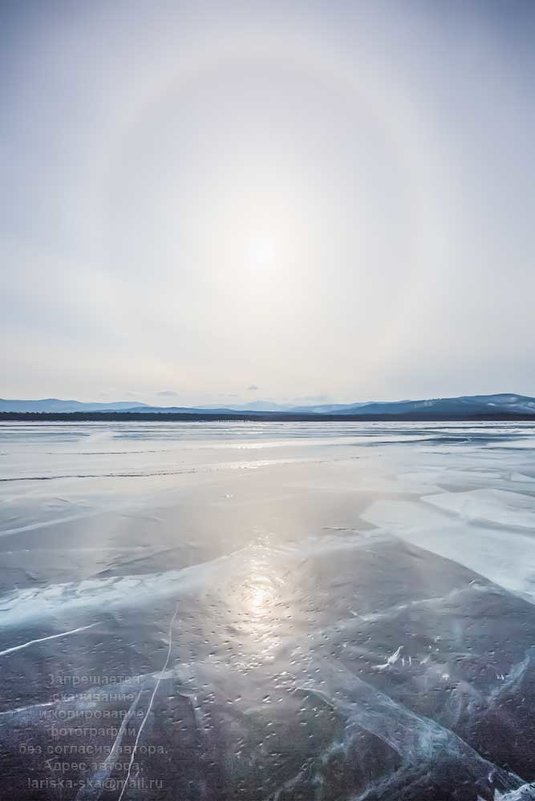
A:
97, 781
149, 708
45, 639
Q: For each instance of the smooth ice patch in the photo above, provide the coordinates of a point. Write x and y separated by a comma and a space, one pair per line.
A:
506, 557
496, 506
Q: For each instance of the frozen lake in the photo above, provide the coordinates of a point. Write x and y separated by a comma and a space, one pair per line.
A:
267, 611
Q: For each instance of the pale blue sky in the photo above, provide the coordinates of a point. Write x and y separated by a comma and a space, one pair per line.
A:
328, 199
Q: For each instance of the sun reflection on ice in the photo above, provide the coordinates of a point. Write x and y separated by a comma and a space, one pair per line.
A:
261, 597
259, 610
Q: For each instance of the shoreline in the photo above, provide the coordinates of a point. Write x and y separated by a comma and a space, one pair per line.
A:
262, 417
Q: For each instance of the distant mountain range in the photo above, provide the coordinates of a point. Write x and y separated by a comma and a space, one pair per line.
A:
463, 407
56, 406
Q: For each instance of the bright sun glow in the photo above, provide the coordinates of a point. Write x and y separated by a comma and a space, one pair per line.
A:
262, 251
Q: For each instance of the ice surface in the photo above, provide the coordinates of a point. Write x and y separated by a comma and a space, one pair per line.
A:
495, 506
267, 612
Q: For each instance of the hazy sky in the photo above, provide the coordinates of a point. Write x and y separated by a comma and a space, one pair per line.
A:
211, 201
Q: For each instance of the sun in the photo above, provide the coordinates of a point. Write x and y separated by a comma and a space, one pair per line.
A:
262, 251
